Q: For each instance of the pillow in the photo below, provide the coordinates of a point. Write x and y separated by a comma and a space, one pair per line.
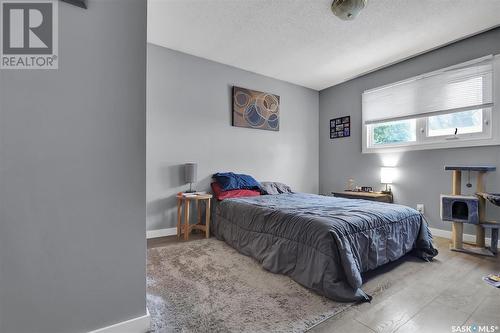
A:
283, 188
232, 181
269, 188
273, 188
221, 195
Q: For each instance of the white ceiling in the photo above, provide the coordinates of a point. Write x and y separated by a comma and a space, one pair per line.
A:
302, 42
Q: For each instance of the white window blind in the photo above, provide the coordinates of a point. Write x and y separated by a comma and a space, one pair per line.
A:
467, 86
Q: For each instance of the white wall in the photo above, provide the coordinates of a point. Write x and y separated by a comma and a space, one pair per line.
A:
189, 120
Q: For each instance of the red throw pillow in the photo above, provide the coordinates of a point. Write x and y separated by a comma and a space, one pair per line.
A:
221, 195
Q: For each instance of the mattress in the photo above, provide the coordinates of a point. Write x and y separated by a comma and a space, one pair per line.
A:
324, 243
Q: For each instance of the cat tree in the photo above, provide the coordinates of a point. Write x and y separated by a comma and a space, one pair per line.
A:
460, 209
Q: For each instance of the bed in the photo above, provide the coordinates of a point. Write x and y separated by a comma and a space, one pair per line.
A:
324, 243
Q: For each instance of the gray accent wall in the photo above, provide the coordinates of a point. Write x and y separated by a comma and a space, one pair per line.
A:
422, 178
73, 177
189, 120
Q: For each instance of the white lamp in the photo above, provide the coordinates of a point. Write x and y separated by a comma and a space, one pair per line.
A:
387, 175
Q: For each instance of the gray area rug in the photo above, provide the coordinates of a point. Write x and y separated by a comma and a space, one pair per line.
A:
207, 286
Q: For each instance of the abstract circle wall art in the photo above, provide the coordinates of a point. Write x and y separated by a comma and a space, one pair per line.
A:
255, 109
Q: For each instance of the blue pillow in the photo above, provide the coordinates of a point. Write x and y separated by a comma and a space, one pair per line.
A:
232, 181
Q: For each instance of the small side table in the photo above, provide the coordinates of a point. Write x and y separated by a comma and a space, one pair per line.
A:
372, 196
185, 228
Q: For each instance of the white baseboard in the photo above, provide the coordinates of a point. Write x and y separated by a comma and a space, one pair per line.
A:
161, 233
135, 325
467, 237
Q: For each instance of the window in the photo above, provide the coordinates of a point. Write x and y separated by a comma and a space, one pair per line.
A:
465, 122
394, 132
452, 107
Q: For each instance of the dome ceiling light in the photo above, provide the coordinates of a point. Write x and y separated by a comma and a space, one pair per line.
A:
348, 9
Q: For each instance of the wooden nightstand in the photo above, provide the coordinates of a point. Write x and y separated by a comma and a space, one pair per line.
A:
373, 196
185, 228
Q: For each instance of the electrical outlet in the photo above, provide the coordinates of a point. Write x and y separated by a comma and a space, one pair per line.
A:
420, 208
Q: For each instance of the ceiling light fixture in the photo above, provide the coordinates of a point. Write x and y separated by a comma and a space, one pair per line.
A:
348, 9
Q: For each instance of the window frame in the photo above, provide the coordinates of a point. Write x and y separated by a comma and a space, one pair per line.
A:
490, 136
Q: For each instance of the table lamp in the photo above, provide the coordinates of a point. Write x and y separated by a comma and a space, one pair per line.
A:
387, 177
190, 173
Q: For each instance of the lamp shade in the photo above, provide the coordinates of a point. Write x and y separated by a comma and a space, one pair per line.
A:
387, 175
190, 172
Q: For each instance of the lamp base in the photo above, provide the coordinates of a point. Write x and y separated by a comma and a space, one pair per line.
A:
190, 189
387, 190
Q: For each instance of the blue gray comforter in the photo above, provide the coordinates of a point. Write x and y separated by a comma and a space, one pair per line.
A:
323, 243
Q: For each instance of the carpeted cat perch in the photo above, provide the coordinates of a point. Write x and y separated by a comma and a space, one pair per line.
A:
494, 198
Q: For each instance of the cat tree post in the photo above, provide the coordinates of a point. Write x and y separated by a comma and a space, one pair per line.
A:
480, 234
457, 228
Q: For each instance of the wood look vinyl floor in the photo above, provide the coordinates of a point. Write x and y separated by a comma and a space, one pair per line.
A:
451, 293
